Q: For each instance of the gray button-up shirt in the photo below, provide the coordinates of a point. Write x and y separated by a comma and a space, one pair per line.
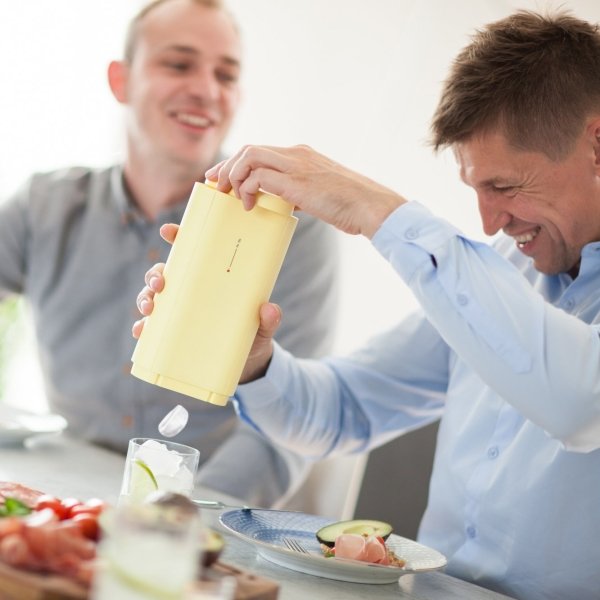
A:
75, 245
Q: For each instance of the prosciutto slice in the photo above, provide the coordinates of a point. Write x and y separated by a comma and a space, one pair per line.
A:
24, 494
357, 547
41, 542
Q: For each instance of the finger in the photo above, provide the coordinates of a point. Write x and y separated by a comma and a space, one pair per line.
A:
220, 172
137, 328
154, 277
145, 301
253, 158
168, 232
268, 180
213, 172
224, 182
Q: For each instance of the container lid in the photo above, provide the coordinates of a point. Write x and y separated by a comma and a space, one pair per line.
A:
265, 200
275, 203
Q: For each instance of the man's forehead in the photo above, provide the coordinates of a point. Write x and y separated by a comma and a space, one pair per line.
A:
189, 27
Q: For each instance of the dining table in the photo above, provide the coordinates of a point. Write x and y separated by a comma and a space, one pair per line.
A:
64, 466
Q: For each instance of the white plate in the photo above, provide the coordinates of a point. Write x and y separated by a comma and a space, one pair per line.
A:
16, 425
267, 529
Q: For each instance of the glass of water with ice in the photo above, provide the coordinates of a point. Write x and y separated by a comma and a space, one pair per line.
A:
148, 551
153, 465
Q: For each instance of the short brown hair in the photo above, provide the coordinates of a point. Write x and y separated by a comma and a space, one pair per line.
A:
536, 78
133, 29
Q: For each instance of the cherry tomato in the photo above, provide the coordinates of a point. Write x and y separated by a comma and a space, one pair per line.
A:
94, 506
69, 504
88, 524
53, 503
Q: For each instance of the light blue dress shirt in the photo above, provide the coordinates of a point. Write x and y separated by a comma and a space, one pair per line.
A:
511, 359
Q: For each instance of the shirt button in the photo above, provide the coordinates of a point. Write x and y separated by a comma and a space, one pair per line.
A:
471, 531
569, 303
462, 299
411, 234
493, 452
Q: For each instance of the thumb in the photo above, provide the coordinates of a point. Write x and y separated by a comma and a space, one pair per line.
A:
262, 349
270, 318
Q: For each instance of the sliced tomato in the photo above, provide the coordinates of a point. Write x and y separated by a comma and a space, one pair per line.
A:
94, 506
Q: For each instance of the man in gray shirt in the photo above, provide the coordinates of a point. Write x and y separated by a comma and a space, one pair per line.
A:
77, 242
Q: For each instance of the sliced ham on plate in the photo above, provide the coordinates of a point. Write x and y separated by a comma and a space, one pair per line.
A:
358, 547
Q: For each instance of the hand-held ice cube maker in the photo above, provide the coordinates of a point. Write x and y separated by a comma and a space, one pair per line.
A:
221, 268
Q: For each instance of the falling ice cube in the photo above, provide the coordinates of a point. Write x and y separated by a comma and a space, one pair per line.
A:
174, 422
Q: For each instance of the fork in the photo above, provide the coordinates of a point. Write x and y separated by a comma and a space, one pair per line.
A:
294, 545
218, 505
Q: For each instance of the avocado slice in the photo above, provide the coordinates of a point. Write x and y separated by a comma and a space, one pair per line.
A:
328, 534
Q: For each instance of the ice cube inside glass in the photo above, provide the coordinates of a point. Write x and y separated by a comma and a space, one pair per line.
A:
153, 465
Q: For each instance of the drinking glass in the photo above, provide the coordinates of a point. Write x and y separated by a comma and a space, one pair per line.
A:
148, 551
152, 465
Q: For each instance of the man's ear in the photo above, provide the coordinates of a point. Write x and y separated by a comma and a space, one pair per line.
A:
118, 73
594, 133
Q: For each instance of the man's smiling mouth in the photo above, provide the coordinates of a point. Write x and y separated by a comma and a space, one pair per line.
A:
194, 120
524, 238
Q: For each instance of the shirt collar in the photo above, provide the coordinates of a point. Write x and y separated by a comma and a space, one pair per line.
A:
126, 208
129, 212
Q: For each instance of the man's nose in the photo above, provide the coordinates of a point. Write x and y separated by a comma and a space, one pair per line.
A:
494, 215
204, 85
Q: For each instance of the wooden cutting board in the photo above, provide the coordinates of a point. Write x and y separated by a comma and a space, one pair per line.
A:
22, 585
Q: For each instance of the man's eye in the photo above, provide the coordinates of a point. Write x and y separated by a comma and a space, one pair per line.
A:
226, 77
508, 190
178, 66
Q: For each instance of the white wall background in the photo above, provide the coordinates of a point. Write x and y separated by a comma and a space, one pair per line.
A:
356, 80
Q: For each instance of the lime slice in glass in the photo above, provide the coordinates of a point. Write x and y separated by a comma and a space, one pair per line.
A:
142, 481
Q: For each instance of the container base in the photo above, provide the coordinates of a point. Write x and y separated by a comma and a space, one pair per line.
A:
179, 386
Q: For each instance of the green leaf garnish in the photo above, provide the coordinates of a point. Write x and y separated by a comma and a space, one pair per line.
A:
14, 508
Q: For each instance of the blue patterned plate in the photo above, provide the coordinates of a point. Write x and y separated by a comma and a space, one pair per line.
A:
268, 530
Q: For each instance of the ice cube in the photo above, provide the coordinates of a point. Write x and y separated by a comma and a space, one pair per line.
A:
185, 478
174, 422
159, 458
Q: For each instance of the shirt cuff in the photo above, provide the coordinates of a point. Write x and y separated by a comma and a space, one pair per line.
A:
264, 391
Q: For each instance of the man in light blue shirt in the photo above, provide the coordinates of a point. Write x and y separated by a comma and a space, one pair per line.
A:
506, 344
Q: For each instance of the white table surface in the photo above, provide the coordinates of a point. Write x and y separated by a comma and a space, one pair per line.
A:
66, 467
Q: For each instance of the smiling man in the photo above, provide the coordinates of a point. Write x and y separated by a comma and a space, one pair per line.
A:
179, 82
70, 239
506, 345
